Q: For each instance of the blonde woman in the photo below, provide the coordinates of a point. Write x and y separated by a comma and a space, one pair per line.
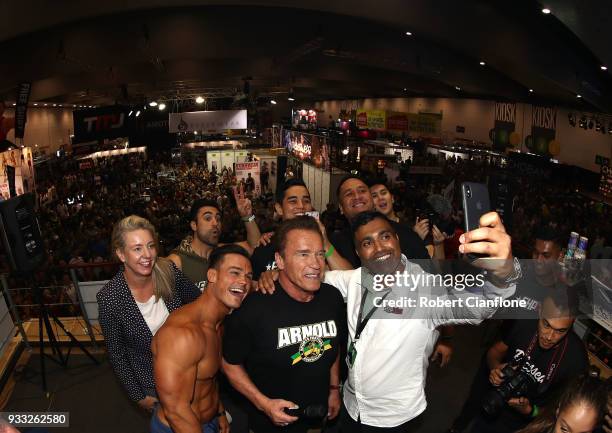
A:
134, 304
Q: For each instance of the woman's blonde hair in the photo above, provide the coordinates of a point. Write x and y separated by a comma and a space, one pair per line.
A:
163, 272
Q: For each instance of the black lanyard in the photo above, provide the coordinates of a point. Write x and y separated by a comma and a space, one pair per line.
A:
555, 360
361, 323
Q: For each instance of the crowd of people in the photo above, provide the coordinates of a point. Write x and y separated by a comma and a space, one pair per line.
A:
233, 311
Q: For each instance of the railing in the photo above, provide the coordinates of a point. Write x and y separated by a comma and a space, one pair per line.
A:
73, 302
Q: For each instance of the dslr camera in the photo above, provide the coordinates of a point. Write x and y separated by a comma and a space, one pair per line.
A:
517, 383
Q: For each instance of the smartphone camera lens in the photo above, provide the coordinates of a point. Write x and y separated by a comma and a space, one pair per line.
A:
468, 192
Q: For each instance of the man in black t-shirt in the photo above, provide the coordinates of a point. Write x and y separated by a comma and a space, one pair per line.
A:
355, 197
281, 350
292, 199
551, 353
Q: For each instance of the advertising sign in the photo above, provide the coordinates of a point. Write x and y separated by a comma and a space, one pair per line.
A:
505, 122
308, 147
100, 123
543, 131
372, 119
17, 161
246, 171
23, 95
208, 122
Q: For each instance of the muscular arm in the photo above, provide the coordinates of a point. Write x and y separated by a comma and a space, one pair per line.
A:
176, 353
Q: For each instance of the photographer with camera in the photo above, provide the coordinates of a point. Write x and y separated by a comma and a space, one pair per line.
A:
529, 365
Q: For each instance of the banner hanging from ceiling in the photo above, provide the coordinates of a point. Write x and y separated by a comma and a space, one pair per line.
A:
21, 109
18, 165
543, 131
99, 123
208, 122
503, 133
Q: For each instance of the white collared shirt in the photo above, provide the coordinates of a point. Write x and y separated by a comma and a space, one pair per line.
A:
386, 384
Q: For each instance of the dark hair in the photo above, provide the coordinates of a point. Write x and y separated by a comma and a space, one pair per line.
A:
547, 233
584, 389
218, 254
199, 204
565, 299
302, 222
280, 191
377, 181
348, 177
365, 217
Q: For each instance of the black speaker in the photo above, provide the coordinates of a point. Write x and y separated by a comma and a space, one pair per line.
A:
21, 233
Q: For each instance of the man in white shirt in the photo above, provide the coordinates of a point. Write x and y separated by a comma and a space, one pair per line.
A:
388, 355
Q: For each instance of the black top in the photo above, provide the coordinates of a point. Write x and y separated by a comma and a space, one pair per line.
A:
572, 360
126, 334
263, 260
411, 244
287, 354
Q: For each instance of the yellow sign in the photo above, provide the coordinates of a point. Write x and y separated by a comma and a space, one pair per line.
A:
372, 119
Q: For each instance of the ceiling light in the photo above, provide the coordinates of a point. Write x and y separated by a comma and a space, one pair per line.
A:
138, 113
578, 96
546, 11
408, 33
195, 132
290, 99
482, 63
55, 105
130, 113
405, 89
162, 106
272, 101
36, 104
530, 90
604, 68
199, 100
60, 105
457, 88
153, 104
14, 104
44, 105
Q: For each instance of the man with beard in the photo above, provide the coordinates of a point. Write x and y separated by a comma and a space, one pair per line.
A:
191, 256
387, 355
187, 349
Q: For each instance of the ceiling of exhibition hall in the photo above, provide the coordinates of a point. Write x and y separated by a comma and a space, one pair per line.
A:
77, 52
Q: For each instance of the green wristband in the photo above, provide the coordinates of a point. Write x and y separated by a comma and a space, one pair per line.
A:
535, 411
329, 252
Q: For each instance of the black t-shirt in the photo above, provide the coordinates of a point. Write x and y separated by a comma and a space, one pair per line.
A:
411, 244
569, 355
263, 260
287, 347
